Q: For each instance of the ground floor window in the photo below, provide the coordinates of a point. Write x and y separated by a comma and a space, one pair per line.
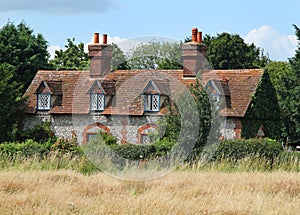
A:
145, 139
91, 136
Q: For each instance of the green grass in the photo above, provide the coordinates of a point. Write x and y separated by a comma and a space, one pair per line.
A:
286, 161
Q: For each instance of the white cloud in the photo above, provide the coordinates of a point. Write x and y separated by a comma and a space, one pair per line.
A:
51, 50
124, 44
278, 46
58, 6
128, 44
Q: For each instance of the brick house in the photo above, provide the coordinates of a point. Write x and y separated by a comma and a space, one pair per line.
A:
128, 103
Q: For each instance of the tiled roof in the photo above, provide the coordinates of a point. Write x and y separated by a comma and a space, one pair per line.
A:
71, 89
242, 85
222, 86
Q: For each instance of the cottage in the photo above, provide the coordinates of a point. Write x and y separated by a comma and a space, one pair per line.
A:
128, 103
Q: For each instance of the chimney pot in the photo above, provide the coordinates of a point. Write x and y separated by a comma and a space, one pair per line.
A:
96, 38
104, 38
194, 34
199, 39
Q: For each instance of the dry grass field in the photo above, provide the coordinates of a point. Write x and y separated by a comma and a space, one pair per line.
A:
180, 192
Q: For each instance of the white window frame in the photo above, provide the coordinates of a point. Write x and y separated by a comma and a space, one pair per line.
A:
98, 103
152, 102
43, 105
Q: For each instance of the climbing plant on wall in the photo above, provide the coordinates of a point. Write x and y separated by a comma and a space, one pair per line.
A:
263, 111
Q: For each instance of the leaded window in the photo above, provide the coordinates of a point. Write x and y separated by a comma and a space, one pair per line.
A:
97, 101
152, 102
145, 139
91, 136
43, 101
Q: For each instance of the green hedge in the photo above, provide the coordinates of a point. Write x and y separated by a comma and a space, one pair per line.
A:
27, 148
242, 148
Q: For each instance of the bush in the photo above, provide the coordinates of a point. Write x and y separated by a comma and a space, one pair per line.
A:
64, 146
240, 149
40, 133
27, 148
135, 152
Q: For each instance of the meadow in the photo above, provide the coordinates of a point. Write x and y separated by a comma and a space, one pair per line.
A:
180, 192
66, 182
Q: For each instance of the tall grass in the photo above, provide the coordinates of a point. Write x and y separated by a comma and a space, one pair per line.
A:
56, 160
68, 192
52, 161
283, 162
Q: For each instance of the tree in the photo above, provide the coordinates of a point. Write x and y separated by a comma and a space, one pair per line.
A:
118, 59
229, 51
292, 101
263, 110
10, 101
72, 58
155, 55
25, 51
191, 110
285, 78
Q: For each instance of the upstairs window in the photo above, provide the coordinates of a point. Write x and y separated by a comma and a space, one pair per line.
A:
44, 96
151, 94
97, 97
43, 101
152, 102
97, 101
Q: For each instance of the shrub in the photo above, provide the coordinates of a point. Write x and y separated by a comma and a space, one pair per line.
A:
240, 149
40, 133
135, 152
63, 146
27, 148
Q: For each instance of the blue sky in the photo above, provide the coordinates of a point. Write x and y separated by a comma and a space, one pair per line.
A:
266, 23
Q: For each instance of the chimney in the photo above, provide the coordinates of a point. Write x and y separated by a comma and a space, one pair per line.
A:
193, 54
100, 57
199, 38
194, 34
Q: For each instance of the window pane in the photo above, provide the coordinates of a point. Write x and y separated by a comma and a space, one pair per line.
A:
100, 101
145, 139
91, 137
147, 100
155, 102
93, 101
44, 101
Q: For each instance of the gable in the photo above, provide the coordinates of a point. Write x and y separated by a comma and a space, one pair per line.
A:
43, 88
96, 88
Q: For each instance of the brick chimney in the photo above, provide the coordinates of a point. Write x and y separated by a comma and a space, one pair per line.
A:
193, 54
100, 57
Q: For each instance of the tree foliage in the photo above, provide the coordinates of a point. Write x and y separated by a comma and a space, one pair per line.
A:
183, 118
229, 51
10, 101
292, 102
263, 110
119, 60
155, 55
72, 58
285, 77
24, 50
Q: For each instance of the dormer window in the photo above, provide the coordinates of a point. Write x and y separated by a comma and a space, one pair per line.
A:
97, 97
97, 101
44, 96
152, 102
152, 94
43, 101
219, 93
